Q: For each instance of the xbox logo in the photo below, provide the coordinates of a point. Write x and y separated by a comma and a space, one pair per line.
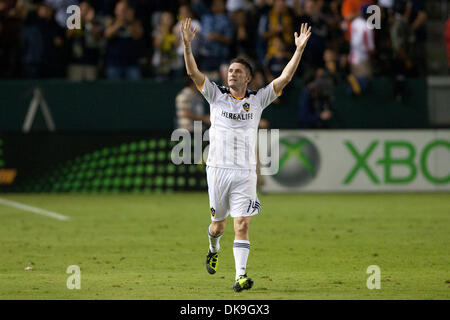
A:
299, 161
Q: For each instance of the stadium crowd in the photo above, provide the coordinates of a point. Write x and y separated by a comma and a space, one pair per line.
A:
134, 39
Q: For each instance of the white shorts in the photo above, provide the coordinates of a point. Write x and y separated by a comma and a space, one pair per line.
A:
232, 191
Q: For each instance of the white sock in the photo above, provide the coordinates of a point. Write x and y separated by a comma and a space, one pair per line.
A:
214, 242
241, 249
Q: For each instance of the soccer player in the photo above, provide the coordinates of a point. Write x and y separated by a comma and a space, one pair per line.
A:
235, 112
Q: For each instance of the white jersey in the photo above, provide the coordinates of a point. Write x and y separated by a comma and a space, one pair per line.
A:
234, 124
362, 41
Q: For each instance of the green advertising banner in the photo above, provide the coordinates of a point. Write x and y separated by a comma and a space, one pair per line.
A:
362, 160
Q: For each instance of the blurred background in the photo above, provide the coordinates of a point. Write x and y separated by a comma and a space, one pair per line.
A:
93, 109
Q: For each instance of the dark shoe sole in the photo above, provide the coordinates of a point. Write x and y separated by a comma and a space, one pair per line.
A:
208, 267
247, 286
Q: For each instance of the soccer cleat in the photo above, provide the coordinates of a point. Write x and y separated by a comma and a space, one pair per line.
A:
212, 262
243, 283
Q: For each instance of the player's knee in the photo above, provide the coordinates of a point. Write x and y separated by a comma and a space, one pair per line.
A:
216, 228
241, 226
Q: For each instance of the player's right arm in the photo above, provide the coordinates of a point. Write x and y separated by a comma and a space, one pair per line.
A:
191, 66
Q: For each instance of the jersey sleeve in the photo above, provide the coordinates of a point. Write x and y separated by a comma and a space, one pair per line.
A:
209, 90
267, 95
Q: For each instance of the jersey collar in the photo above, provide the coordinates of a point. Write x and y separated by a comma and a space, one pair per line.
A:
248, 92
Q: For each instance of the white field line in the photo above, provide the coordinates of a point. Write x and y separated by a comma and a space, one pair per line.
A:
25, 207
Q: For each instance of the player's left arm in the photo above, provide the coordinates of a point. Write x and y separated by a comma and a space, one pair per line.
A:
289, 71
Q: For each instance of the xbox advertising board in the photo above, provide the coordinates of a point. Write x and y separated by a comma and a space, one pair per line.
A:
361, 160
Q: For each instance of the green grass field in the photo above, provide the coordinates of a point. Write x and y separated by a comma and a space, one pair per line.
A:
306, 246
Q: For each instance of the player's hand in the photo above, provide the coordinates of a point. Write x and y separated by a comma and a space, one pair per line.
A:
302, 39
186, 33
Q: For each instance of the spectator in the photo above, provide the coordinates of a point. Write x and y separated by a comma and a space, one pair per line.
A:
185, 11
417, 18
9, 38
315, 104
334, 66
244, 43
331, 14
218, 33
319, 35
199, 8
245, 28
84, 46
189, 107
383, 63
350, 10
362, 47
402, 39
43, 42
278, 22
123, 33
276, 61
164, 42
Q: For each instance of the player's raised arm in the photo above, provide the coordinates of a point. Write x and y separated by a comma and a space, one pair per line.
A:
289, 71
191, 66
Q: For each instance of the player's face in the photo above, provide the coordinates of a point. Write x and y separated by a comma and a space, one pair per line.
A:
238, 76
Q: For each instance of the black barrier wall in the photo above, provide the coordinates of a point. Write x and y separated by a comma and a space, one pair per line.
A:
150, 106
